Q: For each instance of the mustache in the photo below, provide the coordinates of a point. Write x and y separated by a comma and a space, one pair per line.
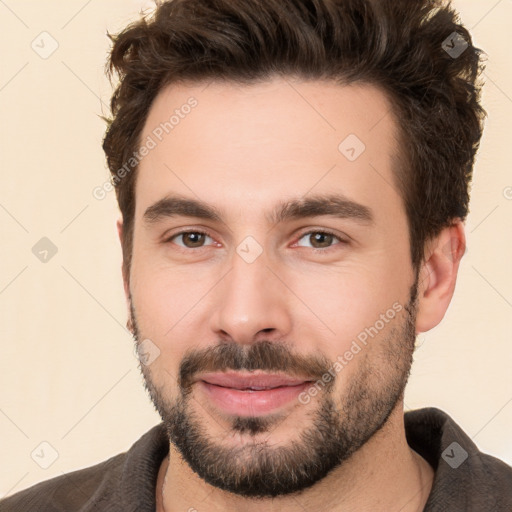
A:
263, 355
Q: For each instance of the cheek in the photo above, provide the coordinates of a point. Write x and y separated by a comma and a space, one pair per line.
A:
350, 313
345, 301
168, 302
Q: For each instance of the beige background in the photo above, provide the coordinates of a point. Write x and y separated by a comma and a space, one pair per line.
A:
68, 372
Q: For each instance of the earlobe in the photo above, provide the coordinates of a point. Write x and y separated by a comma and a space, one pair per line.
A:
119, 225
438, 275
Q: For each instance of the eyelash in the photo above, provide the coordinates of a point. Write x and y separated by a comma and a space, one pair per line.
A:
302, 235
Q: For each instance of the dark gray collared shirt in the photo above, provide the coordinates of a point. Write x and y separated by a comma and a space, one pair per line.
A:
466, 480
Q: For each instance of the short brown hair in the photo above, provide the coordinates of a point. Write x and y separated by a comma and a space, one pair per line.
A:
401, 46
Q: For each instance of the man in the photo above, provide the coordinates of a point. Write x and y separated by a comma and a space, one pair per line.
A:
293, 180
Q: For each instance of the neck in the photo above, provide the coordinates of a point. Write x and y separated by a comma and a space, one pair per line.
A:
385, 474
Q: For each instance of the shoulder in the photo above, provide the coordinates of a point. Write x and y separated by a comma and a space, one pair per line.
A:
71, 491
124, 482
498, 474
464, 475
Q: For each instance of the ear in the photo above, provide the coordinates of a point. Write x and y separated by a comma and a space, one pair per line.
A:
126, 281
438, 275
125, 277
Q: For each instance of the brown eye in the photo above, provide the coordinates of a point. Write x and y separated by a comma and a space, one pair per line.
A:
319, 239
190, 239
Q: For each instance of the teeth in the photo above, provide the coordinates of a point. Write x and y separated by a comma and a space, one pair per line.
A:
254, 388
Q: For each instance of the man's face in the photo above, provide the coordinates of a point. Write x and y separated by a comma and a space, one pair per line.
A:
285, 333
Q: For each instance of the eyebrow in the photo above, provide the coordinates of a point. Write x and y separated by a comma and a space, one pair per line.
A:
334, 205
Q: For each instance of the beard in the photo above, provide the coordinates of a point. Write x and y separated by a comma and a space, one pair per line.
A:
337, 425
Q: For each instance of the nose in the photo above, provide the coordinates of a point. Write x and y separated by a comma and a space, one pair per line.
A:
251, 303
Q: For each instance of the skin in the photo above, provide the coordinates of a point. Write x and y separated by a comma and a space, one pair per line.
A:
244, 149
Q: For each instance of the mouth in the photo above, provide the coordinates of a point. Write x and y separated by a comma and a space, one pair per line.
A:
251, 394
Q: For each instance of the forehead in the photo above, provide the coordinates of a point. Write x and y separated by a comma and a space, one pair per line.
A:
250, 145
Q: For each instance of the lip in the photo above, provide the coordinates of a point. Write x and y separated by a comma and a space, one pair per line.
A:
242, 381
250, 394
